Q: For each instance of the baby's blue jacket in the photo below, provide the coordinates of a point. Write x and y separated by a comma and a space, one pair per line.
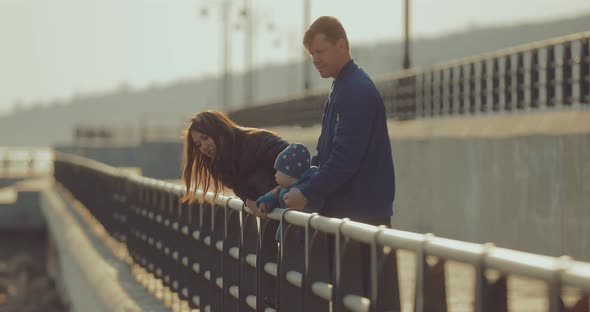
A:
271, 201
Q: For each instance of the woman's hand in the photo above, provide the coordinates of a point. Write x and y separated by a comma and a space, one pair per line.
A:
262, 208
251, 204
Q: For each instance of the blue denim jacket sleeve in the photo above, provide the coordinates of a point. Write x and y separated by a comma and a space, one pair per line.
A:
270, 201
317, 204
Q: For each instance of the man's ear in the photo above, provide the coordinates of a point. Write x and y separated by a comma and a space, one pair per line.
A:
341, 44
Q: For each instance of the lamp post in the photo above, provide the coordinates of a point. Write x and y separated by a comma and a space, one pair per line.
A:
407, 63
248, 53
225, 89
249, 24
306, 65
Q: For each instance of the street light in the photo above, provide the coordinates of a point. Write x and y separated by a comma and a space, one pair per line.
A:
248, 15
306, 61
225, 89
248, 53
407, 63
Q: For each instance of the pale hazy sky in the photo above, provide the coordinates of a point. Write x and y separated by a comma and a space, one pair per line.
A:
54, 49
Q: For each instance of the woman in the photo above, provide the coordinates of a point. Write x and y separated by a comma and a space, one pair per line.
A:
220, 154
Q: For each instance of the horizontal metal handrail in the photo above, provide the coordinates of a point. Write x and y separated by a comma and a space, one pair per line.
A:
576, 274
153, 206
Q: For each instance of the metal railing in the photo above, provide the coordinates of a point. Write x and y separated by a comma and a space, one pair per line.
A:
218, 258
549, 74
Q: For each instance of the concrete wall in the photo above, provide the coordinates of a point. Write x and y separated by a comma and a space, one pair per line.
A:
529, 193
520, 181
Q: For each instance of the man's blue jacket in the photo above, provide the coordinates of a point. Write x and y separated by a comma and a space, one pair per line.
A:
356, 175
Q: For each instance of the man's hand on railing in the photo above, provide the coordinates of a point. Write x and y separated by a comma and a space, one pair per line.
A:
295, 199
251, 204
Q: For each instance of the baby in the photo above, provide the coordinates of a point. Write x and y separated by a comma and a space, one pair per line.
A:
293, 170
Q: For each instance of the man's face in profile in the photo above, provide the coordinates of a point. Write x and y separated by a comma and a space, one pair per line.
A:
326, 55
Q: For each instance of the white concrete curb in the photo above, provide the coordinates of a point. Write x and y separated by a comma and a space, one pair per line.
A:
90, 282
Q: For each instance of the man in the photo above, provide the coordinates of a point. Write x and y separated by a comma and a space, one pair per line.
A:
356, 175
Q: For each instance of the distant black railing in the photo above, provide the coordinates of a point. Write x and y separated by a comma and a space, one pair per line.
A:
549, 74
216, 257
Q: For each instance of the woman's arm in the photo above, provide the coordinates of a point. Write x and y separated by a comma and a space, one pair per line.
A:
251, 204
256, 166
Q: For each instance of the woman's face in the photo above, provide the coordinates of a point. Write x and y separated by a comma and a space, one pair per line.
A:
204, 143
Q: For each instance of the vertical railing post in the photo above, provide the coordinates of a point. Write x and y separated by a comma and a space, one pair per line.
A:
584, 82
550, 74
418, 96
141, 222
535, 84
351, 275
430, 91
567, 79
186, 243
461, 89
232, 244
472, 79
165, 235
388, 291
248, 254
424, 90
267, 266
292, 264
175, 242
520, 84
337, 294
319, 266
206, 257
495, 85
483, 89
197, 287
412, 98
441, 93
452, 92
430, 294
152, 255
508, 98
217, 264
397, 108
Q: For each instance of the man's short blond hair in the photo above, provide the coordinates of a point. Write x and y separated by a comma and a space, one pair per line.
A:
327, 25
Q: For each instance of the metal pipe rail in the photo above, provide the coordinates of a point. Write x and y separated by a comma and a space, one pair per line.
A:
544, 75
218, 258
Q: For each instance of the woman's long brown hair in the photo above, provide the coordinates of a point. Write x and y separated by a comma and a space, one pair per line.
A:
197, 168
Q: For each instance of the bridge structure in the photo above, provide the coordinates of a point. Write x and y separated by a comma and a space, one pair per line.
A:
111, 231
